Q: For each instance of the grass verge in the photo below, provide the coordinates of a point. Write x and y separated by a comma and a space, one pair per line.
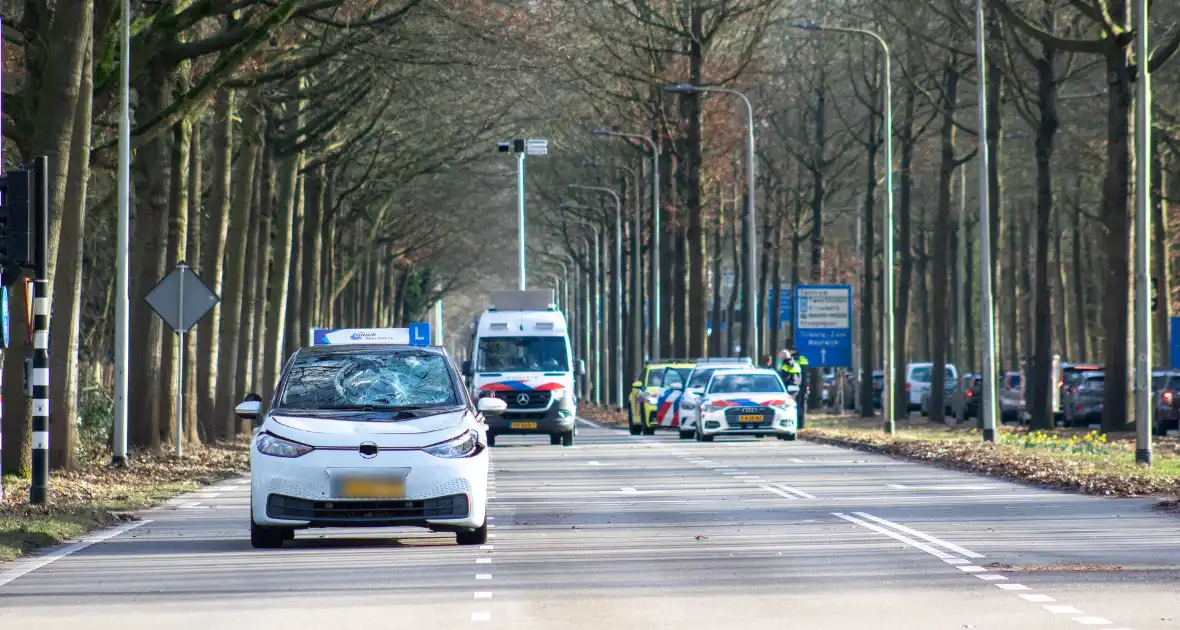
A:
606, 415
1075, 460
98, 495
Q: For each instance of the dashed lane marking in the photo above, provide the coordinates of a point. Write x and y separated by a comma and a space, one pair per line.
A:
1062, 609
785, 495
1036, 598
483, 560
795, 491
928, 538
483, 595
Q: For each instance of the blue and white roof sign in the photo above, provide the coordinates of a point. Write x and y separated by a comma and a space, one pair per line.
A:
823, 324
355, 336
419, 333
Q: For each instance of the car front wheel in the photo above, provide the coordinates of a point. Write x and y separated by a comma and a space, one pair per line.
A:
477, 536
262, 537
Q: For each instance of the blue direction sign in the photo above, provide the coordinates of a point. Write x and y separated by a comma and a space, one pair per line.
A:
785, 302
420, 334
823, 324
1175, 343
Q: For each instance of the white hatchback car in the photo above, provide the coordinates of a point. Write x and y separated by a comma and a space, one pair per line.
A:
369, 436
744, 402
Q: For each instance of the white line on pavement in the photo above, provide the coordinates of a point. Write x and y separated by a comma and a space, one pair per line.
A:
795, 491
483, 595
590, 423
928, 538
937, 553
1063, 610
481, 616
28, 565
782, 494
1013, 587
483, 560
1037, 598
483, 576
1092, 621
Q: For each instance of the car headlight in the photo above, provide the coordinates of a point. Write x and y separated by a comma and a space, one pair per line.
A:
466, 445
270, 444
786, 406
558, 394
708, 408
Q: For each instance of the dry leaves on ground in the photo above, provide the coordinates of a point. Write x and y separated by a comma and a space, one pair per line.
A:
603, 414
1029, 466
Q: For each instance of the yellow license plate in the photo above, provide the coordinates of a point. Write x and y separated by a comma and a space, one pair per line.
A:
524, 425
374, 489
745, 419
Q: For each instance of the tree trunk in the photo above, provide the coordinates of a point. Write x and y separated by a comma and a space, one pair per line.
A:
761, 318
16, 421
694, 233
970, 303
1081, 317
670, 265
1117, 401
905, 248
177, 244
1039, 379
239, 224
294, 330
731, 336
995, 130
213, 252
777, 280
67, 283
195, 228
262, 264
245, 355
868, 225
1160, 263
313, 238
276, 311
715, 337
942, 262
922, 290
150, 237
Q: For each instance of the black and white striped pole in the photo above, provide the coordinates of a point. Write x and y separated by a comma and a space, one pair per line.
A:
40, 379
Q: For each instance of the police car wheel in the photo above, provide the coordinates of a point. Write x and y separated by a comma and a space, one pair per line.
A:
649, 430
685, 435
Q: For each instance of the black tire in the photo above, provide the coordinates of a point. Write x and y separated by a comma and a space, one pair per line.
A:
555, 439
635, 429
491, 439
685, 435
567, 438
649, 430
268, 537
790, 437
475, 536
289, 534
706, 438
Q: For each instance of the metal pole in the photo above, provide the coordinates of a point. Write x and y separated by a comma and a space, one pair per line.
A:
520, 213
438, 317
961, 301
987, 305
856, 336
598, 317
636, 290
40, 482
1143, 410
618, 300
751, 309
654, 254
119, 447
180, 366
585, 320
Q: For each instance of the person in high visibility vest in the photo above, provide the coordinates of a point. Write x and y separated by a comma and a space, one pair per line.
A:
789, 371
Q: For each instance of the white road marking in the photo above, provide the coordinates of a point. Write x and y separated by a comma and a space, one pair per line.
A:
483, 595
629, 491
794, 460
1092, 621
971, 569
928, 538
990, 577
28, 565
483, 576
593, 463
753, 480
483, 560
729, 471
937, 553
1013, 587
782, 494
191, 504
956, 561
795, 491
1037, 598
1063, 610
481, 616
941, 487
486, 547
590, 423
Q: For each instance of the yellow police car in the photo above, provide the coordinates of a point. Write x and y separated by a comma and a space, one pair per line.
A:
647, 395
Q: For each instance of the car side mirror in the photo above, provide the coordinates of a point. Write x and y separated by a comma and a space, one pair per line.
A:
249, 409
581, 367
491, 406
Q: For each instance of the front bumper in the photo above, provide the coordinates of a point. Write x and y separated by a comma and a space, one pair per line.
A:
548, 422
785, 422
441, 494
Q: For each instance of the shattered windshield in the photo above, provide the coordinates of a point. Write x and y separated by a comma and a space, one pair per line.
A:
368, 379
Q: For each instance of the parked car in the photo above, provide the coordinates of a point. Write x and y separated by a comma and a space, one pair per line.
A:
1085, 406
974, 386
1068, 376
1165, 388
918, 382
878, 388
1011, 398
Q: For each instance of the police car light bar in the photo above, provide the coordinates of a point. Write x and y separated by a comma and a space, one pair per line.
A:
358, 336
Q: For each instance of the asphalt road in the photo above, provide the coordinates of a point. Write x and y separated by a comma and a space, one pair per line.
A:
623, 532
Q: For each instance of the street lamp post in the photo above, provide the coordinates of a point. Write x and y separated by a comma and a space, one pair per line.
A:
653, 255
618, 283
1142, 321
522, 148
750, 304
887, 405
593, 322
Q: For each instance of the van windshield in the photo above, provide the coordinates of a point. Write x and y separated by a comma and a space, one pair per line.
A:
522, 354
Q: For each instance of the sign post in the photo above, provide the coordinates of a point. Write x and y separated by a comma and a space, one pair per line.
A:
823, 324
181, 299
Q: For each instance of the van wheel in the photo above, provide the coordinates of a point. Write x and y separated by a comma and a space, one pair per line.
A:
555, 439
491, 439
567, 438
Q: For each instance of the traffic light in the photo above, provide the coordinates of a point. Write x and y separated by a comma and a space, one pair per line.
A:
16, 218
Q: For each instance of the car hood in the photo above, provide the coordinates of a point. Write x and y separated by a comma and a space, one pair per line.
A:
748, 400
352, 429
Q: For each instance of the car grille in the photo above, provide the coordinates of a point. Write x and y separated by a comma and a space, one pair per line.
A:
732, 415
361, 512
535, 399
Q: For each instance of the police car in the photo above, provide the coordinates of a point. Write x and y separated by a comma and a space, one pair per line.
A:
649, 399
744, 402
366, 430
684, 404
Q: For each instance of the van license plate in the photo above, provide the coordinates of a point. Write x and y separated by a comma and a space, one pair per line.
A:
524, 425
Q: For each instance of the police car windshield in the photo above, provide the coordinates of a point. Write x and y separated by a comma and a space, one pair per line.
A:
369, 380
700, 378
745, 384
522, 354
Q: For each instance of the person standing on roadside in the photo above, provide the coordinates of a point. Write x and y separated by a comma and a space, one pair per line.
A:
788, 370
